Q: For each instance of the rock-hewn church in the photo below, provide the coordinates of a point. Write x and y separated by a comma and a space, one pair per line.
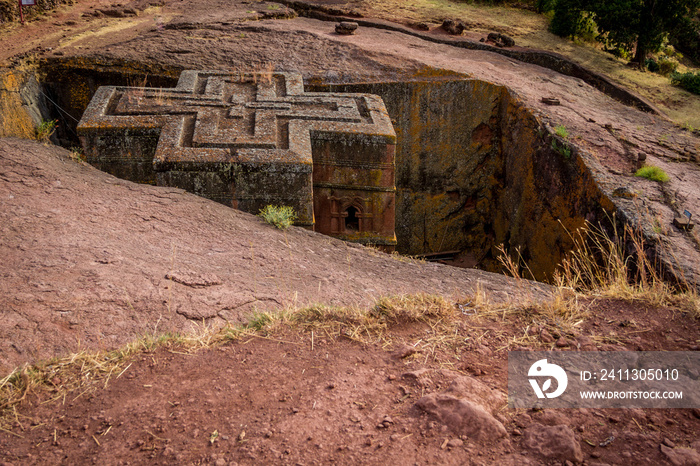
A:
250, 140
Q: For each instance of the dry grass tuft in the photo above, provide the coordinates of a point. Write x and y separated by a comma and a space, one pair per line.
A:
87, 371
618, 266
613, 265
358, 323
62, 375
407, 259
601, 265
413, 308
563, 313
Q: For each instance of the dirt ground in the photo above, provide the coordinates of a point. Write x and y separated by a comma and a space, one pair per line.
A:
289, 397
85, 268
93, 262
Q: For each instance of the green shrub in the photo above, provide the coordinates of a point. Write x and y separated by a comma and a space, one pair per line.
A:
281, 217
619, 52
543, 6
685, 37
652, 173
652, 65
567, 18
667, 65
689, 81
671, 52
561, 131
563, 150
587, 29
45, 129
688, 127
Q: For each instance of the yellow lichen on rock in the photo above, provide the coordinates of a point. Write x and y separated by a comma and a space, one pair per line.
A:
14, 118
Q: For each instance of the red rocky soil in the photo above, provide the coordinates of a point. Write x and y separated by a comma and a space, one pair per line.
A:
92, 261
294, 398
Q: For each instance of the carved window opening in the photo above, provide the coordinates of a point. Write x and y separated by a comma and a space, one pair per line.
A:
352, 219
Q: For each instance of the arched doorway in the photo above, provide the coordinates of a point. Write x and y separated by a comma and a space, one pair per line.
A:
352, 219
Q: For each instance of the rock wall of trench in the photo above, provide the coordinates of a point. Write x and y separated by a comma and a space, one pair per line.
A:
475, 169
21, 106
61, 89
545, 194
71, 83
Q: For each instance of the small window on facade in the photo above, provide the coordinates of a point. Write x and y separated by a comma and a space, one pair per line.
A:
352, 220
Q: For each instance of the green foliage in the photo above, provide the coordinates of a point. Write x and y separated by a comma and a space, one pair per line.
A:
571, 19
652, 173
652, 65
568, 14
689, 81
686, 37
619, 52
670, 51
544, 6
281, 217
667, 65
587, 29
563, 150
688, 127
619, 23
45, 130
561, 131
666, 62
623, 24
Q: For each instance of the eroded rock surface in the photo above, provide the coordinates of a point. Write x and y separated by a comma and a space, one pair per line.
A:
681, 456
467, 408
553, 442
90, 258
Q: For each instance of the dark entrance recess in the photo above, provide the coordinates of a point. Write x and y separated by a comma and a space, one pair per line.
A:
352, 219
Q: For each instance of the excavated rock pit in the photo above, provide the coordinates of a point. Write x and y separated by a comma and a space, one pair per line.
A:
478, 162
475, 169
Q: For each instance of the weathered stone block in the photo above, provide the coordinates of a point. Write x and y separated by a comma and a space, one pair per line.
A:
683, 223
346, 28
249, 140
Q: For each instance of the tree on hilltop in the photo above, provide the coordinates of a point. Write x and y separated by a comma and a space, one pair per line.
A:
628, 24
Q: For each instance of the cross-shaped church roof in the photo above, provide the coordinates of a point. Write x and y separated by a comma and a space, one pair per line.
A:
241, 139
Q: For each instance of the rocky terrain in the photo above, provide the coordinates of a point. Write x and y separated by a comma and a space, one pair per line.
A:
91, 263
96, 261
605, 134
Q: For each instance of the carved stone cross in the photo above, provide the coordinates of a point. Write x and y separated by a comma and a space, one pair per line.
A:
248, 140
